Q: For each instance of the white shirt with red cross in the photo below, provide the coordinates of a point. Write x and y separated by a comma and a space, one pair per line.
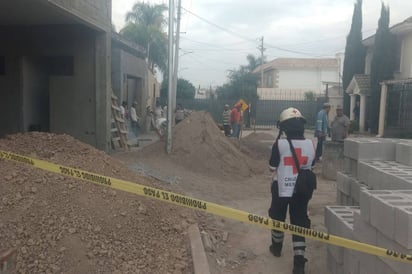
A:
287, 171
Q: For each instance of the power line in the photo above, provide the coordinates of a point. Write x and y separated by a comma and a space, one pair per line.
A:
214, 45
245, 38
220, 27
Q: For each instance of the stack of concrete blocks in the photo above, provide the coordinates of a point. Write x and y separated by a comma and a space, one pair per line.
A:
377, 179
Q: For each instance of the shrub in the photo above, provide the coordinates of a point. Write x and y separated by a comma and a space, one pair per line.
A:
353, 126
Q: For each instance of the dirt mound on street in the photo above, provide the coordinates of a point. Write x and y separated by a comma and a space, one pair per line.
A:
59, 224
258, 145
201, 146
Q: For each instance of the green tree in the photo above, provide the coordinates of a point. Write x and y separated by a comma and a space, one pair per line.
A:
382, 65
354, 62
144, 26
185, 89
242, 82
310, 96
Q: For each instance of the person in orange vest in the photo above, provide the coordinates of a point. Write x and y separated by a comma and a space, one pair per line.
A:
235, 120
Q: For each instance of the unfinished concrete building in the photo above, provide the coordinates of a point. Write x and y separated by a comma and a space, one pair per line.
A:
55, 68
132, 80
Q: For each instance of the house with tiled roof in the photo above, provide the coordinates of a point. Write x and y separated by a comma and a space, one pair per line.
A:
292, 77
359, 87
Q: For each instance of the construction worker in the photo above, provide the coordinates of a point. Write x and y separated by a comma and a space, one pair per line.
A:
322, 129
291, 122
340, 125
235, 120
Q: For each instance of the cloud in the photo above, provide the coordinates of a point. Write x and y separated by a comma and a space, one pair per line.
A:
228, 30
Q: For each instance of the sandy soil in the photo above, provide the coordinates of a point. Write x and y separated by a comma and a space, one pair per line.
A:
207, 165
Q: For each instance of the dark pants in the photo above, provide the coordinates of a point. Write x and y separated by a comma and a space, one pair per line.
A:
319, 147
298, 207
227, 130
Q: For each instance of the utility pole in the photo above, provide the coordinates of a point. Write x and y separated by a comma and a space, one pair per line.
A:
170, 80
176, 60
262, 49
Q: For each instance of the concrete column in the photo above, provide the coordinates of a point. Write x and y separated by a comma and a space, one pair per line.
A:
103, 90
382, 110
352, 106
362, 114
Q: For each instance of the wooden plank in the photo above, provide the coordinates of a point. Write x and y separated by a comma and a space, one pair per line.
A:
116, 108
119, 119
8, 261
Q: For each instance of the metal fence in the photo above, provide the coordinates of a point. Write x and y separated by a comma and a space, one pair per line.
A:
399, 110
263, 114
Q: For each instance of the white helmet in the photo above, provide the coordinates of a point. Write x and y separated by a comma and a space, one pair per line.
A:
290, 113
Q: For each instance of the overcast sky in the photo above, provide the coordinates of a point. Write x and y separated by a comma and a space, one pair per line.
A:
219, 34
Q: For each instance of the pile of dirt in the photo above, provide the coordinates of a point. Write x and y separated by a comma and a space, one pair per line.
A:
200, 146
258, 145
61, 225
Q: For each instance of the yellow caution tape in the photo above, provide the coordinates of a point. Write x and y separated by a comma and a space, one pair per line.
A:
189, 202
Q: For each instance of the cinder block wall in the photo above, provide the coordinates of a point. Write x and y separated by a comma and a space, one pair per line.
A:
374, 197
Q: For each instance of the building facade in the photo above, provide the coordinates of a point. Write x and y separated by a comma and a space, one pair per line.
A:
55, 68
291, 78
359, 88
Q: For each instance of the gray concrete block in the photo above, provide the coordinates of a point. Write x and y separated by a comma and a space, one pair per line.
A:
384, 175
362, 230
370, 148
339, 222
364, 170
343, 199
404, 153
350, 166
382, 212
372, 264
403, 225
333, 266
355, 188
351, 263
343, 183
365, 202
392, 265
339, 197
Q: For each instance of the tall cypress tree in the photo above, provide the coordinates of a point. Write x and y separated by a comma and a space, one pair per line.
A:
354, 62
382, 66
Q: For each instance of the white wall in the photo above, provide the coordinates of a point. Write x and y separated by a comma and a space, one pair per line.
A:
368, 60
406, 57
306, 79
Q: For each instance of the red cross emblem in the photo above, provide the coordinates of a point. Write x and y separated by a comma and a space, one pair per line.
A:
289, 161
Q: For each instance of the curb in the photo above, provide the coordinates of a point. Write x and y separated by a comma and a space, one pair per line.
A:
200, 264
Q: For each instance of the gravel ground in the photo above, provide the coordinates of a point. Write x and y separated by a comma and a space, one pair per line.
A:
62, 225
